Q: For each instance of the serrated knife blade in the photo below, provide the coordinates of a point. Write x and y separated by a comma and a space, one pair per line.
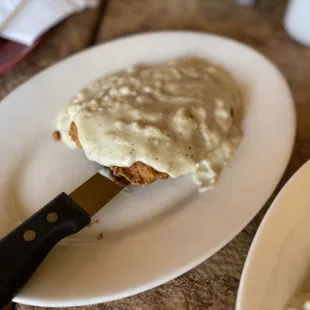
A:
96, 192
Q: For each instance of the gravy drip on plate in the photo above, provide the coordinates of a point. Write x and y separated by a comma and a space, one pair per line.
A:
179, 117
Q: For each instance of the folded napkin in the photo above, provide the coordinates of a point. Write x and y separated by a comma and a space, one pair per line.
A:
24, 21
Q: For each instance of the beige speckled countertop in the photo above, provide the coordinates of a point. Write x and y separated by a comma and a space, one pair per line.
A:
212, 285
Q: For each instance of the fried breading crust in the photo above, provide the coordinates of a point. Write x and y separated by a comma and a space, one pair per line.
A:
137, 173
73, 133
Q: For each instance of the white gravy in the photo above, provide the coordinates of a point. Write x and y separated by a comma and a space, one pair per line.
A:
181, 117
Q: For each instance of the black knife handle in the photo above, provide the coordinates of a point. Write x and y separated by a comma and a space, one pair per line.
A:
20, 258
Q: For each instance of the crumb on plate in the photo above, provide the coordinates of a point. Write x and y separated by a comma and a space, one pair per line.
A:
56, 135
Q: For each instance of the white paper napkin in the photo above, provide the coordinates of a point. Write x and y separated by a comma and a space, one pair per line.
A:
24, 21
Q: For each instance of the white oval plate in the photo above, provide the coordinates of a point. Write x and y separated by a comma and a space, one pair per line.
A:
152, 234
278, 261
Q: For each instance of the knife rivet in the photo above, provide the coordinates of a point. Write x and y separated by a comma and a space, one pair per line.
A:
29, 235
52, 217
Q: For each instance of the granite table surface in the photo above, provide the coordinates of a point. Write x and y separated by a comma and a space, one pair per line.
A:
213, 284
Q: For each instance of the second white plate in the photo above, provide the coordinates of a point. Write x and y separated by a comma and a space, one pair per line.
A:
152, 234
278, 261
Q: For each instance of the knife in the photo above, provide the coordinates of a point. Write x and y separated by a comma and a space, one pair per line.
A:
23, 249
